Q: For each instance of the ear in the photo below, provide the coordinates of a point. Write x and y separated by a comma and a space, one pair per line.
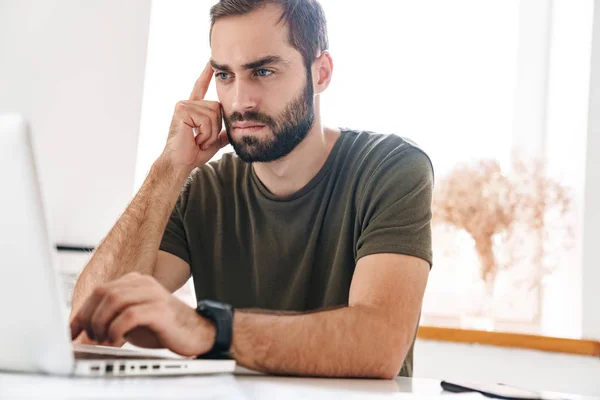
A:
322, 70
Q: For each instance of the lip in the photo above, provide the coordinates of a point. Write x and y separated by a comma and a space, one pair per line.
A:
247, 129
244, 125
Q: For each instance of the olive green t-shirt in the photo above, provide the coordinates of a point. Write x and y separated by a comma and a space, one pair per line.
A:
251, 249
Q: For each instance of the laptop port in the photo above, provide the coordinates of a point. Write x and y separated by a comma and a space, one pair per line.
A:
95, 368
109, 368
143, 367
156, 366
122, 368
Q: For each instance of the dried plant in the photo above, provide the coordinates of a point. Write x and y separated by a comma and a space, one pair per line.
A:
523, 207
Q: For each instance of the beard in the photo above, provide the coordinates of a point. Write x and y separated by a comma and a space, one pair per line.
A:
289, 129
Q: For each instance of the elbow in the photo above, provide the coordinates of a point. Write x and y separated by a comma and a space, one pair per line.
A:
386, 366
389, 369
383, 364
386, 343
387, 376
386, 370
392, 358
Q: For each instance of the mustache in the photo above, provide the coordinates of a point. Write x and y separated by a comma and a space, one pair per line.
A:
253, 116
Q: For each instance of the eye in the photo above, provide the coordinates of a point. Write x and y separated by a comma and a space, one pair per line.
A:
222, 76
263, 73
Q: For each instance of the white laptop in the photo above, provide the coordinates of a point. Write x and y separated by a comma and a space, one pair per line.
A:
34, 333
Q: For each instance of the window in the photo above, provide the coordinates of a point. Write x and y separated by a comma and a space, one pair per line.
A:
467, 80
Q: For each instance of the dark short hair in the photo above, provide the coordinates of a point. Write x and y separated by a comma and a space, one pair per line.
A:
305, 20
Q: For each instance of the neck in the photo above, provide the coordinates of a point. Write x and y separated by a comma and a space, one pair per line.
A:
292, 172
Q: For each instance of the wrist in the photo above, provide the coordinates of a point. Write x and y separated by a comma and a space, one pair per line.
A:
206, 334
165, 167
251, 344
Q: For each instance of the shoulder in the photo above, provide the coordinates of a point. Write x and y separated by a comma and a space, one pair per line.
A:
212, 178
226, 168
387, 157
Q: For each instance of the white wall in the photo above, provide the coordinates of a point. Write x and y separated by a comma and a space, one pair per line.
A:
564, 141
591, 231
75, 69
523, 368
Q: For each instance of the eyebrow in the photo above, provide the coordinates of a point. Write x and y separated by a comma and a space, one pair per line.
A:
251, 65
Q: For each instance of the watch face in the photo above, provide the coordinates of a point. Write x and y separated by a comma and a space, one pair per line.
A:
221, 314
206, 304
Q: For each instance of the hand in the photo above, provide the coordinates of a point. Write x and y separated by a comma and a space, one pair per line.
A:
140, 310
83, 338
183, 150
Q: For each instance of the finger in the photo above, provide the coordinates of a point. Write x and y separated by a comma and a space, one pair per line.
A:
204, 128
221, 141
212, 119
147, 315
120, 343
84, 339
213, 111
223, 138
81, 320
76, 330
202, 83
196, 118
216, 128
115, 301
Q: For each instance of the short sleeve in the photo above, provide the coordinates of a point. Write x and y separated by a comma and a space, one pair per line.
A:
174, 239
395, 207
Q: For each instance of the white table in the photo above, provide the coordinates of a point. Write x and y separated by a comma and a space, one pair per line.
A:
15, 386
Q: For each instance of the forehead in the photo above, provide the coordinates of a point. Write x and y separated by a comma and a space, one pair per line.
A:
240, 39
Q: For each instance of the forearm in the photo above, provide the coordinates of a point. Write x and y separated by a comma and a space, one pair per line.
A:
133, 242
353, 341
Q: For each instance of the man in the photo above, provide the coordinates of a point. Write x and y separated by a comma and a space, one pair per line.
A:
312, 245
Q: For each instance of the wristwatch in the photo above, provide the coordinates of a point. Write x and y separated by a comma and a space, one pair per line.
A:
221, 314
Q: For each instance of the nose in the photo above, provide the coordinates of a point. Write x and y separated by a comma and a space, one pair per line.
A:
244, 99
